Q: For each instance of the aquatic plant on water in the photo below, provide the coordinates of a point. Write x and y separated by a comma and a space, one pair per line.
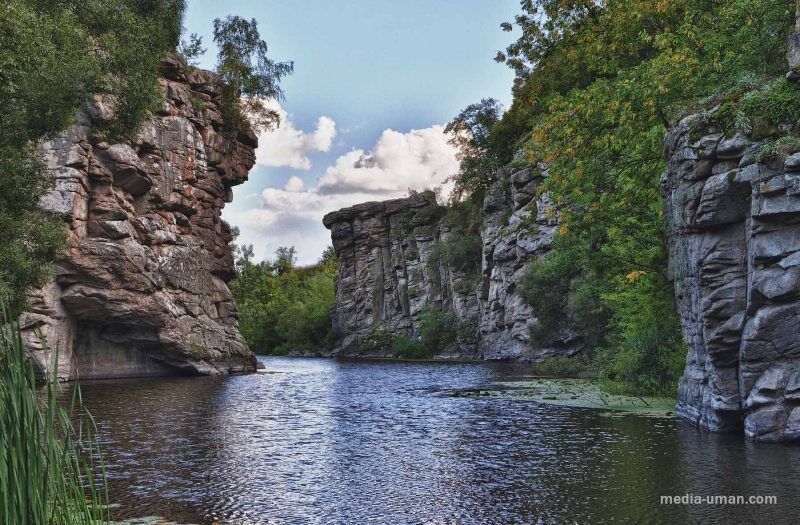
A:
51, 470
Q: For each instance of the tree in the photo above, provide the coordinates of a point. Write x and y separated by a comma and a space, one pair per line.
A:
470, 134
284, 308
545, 26
285, 259
244, 255
328, 255
250, 77
192, 49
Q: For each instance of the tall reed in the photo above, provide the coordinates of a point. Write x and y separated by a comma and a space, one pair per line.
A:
50, 468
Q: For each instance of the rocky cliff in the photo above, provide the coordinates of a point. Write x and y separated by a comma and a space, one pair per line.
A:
142, 287
390, 268
733, 225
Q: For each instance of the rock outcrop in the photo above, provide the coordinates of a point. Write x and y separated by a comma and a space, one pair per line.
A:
142, 287
733, 225
390, 269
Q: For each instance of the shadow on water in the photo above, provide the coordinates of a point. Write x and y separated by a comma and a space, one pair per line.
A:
321, 441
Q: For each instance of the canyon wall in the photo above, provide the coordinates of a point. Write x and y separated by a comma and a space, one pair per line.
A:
390, 269
732, 218
141, 289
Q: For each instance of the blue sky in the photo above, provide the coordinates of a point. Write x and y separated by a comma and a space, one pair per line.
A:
367, 67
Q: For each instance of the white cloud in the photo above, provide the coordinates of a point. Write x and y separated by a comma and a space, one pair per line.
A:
294, 184
292, 215
288, 146
418, 159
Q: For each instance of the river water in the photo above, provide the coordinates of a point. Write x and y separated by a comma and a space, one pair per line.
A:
343, 442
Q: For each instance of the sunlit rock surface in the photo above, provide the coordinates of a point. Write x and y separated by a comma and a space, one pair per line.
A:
142, 287
733, 230
389, 271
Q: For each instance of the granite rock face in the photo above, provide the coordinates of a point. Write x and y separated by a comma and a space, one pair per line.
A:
142, 287
389, 271
733, 227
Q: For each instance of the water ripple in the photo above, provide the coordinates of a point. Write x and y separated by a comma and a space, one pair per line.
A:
335, 442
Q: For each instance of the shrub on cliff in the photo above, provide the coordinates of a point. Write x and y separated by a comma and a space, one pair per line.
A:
564, 296
462, 249
379, 341
437, 329
404, 347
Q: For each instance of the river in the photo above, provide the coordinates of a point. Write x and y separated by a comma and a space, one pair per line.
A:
345, 442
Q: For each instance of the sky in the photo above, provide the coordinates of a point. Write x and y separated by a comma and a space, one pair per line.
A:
374, 84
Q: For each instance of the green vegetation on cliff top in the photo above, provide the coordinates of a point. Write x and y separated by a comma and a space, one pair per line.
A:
598, 84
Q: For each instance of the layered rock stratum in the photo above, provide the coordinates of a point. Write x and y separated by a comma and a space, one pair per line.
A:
142, 288
389, 271
732, 216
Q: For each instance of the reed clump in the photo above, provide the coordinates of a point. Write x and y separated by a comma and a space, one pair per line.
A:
51, 470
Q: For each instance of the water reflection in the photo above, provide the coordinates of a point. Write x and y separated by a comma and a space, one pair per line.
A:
320, 441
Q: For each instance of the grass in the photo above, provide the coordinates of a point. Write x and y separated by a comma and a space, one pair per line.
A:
50, 470
405, 347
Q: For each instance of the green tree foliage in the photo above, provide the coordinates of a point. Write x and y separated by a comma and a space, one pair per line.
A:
545, 25
285, 259
462, 248
563, 293
284, 308
249, 75
53, 54
470, 133
191, 50
437, 329
404, 347
598, 84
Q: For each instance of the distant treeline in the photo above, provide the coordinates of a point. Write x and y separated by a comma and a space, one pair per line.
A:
285, 308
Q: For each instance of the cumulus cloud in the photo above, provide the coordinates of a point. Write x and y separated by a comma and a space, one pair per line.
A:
398, 162
288, 146
421, 158
294, 185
